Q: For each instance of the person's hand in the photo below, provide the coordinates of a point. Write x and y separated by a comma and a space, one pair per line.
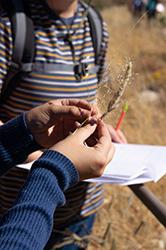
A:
53, 121
89, 161
117, 135
1, 123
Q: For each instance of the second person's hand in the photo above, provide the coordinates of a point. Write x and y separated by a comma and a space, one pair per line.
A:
117, 135
89, 161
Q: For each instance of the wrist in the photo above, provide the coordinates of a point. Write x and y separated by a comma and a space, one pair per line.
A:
64, 170
17, 149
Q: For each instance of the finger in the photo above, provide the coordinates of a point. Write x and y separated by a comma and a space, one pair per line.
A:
93, 139
76, 102
102, 131
74, 112
104, 139
94, 110
122, 136
83, 133
114, 134
1, 123
77, 124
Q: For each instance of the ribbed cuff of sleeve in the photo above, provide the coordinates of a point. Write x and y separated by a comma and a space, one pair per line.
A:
64, 170
17, 140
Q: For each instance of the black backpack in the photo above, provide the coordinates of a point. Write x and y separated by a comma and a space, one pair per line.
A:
24, 42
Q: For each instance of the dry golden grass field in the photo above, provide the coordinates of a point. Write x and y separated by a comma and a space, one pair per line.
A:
124, 223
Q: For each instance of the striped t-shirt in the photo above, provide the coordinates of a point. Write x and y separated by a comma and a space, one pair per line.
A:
38, 87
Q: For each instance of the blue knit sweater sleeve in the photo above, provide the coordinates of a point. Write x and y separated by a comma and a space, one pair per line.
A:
16, 143
28, 224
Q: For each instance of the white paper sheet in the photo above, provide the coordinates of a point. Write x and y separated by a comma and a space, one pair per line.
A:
132, 164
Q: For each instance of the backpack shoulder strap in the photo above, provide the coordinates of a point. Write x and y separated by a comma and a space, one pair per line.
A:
18, 18
23, 43
22, 31
96, 28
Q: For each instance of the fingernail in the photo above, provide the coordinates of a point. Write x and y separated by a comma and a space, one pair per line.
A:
84, 113
92, 121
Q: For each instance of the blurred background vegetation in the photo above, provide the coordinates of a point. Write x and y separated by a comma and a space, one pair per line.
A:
124, 223
105, 3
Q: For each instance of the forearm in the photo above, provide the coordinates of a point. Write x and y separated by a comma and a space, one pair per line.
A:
16, 143
28, 224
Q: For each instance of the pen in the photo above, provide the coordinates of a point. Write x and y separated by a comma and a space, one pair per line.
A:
122, 116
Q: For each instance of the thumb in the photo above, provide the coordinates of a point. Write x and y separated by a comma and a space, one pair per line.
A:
83, 133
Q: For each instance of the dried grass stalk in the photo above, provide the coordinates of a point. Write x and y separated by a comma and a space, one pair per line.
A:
118, 94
